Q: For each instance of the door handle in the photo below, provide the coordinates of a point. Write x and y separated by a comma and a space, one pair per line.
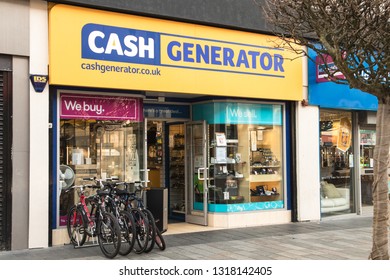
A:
199, 176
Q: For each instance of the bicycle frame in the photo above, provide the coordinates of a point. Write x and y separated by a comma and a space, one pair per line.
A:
85, 209
96, 203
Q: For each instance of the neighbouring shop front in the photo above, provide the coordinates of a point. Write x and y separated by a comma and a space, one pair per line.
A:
201, 112
347, 139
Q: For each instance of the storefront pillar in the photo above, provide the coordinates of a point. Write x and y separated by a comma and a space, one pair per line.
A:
308, 191
308, 188
39, 130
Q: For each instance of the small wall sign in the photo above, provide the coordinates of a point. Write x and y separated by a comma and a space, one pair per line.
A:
326, 62
39, 82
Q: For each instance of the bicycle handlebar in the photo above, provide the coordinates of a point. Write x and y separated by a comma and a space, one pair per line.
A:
82, 186
89, 179
113, 179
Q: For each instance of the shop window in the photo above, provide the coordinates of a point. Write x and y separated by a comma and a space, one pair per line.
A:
101, 149
336, 162
247, 167
245, 156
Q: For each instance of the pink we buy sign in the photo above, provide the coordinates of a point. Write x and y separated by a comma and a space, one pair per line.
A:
77, 106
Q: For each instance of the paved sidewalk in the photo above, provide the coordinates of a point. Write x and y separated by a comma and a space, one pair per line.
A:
344, 238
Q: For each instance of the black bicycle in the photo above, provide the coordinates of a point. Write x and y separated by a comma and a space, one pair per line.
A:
142, 222
154, 236
125, 218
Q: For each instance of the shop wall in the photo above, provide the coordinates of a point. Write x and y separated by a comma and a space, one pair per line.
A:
239, 14
14, 22
14, 30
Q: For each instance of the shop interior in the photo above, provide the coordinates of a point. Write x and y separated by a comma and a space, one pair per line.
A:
367, 144
165, 148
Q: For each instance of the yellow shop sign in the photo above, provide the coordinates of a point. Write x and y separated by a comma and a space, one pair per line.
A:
109, 50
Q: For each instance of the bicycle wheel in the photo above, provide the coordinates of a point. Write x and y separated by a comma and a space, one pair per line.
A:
142, 229
152, 230
128, 232
76, 225
109, 235
159, 239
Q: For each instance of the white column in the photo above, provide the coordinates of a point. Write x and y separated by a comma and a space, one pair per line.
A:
308, 160
39, 131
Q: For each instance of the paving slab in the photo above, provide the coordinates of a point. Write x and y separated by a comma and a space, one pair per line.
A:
346, 238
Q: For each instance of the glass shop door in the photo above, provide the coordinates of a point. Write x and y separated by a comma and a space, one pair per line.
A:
197, 173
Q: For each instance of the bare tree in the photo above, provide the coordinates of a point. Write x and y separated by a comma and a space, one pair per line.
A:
355, 34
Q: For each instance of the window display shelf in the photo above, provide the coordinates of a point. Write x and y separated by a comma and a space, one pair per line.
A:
264, 166
225, 166
265, 178
260, 198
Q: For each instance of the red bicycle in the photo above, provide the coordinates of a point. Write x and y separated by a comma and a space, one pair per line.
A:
83, 222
